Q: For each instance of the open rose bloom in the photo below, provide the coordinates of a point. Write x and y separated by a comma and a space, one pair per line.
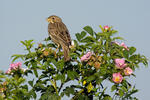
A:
14, 66
86, 57
117, 77
120, 63
128, 71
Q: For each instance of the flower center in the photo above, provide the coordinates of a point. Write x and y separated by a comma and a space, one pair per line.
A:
117, 79
120, 64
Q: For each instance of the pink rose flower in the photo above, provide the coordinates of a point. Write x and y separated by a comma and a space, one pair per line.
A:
106, 27
128, 71
123, 45
15, 66
86, 57
117, 77
120, 63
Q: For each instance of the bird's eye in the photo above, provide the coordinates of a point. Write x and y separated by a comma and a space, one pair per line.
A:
53, 18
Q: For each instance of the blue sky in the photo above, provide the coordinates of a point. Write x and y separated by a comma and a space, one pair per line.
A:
26, 19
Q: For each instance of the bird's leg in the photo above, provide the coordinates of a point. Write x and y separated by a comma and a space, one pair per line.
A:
56, 50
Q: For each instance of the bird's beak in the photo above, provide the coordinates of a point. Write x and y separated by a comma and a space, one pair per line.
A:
49, 20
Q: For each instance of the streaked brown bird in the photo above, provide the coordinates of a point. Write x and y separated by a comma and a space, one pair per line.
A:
59, 34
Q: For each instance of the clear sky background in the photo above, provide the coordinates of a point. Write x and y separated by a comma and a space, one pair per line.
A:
26, 19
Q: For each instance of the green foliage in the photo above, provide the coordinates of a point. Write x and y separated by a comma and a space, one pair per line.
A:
52, 73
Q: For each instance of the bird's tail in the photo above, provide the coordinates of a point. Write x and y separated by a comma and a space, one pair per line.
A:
66, 53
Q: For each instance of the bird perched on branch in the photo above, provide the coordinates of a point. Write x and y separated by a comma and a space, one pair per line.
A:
59, 34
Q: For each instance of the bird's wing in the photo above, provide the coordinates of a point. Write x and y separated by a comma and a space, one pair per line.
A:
61, 33
65, 33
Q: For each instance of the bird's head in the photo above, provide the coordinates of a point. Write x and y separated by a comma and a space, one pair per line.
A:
54, 19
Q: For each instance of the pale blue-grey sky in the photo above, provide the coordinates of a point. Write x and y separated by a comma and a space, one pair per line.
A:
26, 19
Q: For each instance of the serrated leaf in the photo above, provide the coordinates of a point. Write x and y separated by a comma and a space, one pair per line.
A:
89, 30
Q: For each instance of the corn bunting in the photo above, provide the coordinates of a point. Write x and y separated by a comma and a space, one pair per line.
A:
59, 34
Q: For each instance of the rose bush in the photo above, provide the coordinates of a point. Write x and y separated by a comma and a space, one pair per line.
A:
95, 57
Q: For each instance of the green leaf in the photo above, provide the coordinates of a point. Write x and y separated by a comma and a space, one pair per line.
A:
88, 39
89, 30
23, 43
125, 53
35, 72
114, 87
133, 57
121, 93
16, 56
114, 31
91, 78
132, 50
61, 77
49, 96
97, 36
78, 36
124, 88
67, 91
107, 98
83, 34
130, 93
47, 39
54, 62
72, 74
60, 64
117, 38
101, 28
32, 92
31, 83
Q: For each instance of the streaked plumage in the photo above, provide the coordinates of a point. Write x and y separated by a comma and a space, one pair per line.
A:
59, 34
